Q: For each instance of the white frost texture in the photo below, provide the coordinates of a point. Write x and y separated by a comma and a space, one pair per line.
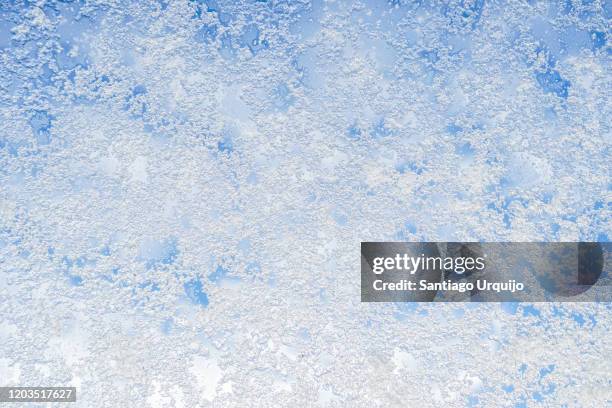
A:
184, 186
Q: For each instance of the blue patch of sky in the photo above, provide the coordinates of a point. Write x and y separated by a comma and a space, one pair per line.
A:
405, 166
551, 82
225, 18
465, 14
549, 389
195, 292
159, 252
227, 50
282, 98
76, 280
380, 130
205, 6
598, 39
250, 38
530, 310
307, 22
219, 274
152, 286
453, 129
354, 131
410, 227
547, 370
339, 217
167, 326
465, 149
40, 122
253, 268
206, 34
244, 245
510, 307
578, 318
405, 309
225, 145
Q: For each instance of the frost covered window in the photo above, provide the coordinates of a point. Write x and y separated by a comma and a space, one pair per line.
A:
184, 186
